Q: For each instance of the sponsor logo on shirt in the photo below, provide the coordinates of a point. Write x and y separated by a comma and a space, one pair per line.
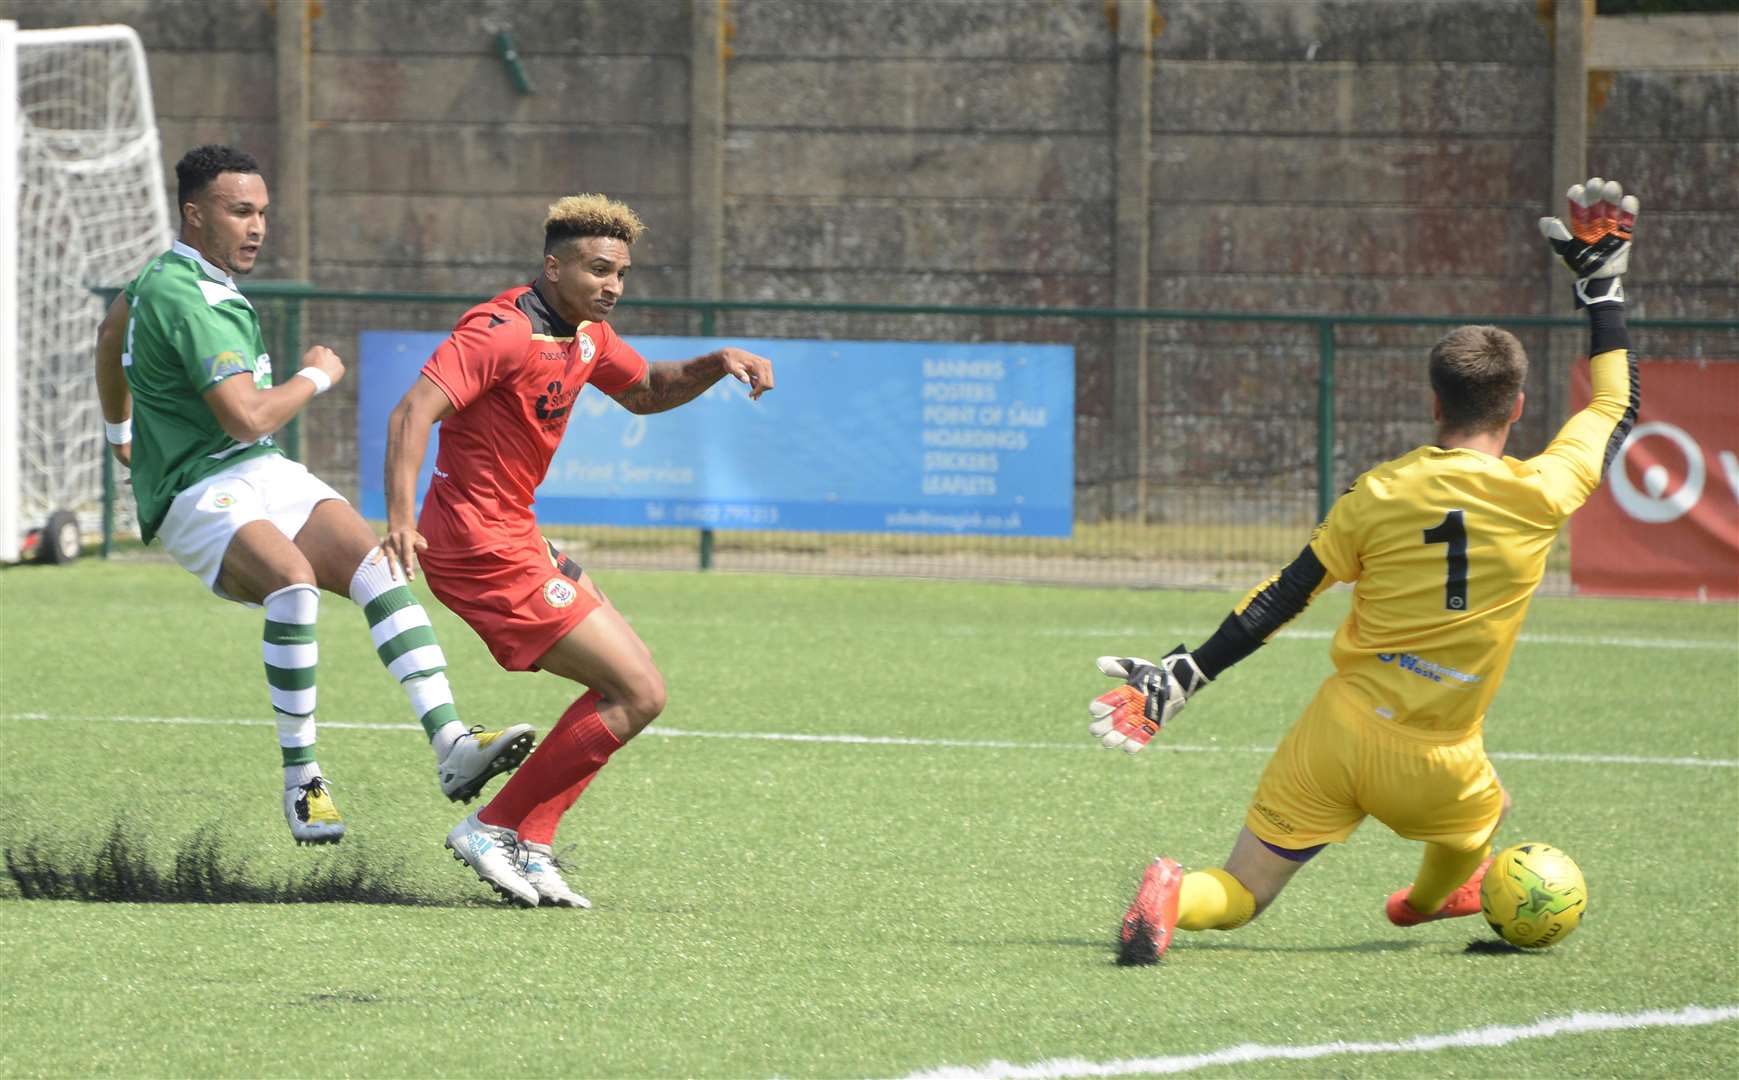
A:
1274, 818
223, 365
1427, 669
559, 592
554, 402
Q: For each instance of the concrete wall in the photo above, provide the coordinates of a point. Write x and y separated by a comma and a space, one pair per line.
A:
1677, 132
1360, 156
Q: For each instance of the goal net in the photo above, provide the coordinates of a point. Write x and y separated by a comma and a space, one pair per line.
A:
82, 205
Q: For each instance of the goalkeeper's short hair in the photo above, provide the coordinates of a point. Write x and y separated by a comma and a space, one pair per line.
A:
580, 216
202, 164
1477, 371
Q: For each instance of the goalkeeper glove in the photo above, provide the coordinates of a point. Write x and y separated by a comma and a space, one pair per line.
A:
1131, 715
1596, 246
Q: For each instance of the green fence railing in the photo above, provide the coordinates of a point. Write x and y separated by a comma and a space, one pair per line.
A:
1257, 419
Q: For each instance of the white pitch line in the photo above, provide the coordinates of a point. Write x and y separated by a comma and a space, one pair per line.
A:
1611, 759
972, 630
1578, 1023
846, 739
1308, 634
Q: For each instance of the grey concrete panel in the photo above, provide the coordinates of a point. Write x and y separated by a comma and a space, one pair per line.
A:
921, 236
1331, 292
1348, 170
1426, 244
919, 287
1347, 98
1002, 290
457, 228
1690, 247
236, 85
179, 135
539, 27
1672, 298
834, 164
1676, 41
1672, 175
967, 96
584, 91
1465, 31
1667, 105
1271, 379
224, 25
468, 159
958, 29
480, 280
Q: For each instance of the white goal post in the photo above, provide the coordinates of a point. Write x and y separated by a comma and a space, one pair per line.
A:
82, 205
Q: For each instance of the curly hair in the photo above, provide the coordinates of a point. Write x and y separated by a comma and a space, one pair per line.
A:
589, 215
202, 164
1477, 371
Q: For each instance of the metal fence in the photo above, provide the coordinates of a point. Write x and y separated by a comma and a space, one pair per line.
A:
1254, 421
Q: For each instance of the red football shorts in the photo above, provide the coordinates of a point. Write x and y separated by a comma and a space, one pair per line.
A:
521, 599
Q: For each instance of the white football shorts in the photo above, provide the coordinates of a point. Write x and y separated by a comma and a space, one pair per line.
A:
204, 518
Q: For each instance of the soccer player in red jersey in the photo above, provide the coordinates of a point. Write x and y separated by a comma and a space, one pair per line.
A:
503, 386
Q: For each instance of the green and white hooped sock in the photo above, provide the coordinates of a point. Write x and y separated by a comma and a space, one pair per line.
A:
405, 643
292, 655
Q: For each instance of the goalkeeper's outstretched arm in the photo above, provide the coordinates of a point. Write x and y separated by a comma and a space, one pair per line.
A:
112, 392
1262, 612
1596, 248
1131, 715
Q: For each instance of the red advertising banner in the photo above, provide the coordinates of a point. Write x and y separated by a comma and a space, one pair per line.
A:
1666, 520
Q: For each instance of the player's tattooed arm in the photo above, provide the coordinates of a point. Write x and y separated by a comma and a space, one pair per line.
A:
669, 383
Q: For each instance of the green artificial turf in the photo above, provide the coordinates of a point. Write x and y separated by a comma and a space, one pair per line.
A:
789, 907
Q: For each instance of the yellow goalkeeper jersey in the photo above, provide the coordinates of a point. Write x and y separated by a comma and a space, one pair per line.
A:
1446, 548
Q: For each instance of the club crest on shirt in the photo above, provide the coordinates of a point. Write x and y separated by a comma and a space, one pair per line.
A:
587, 349
559, 592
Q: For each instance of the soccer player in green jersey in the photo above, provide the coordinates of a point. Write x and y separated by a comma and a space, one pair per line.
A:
1444, 546
187, 394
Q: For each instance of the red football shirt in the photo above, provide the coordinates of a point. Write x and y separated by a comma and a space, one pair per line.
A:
512, 369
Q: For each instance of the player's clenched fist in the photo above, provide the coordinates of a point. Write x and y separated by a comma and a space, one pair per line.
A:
1131, 715
324, 360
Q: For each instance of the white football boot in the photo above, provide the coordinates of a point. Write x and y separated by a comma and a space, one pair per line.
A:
538, 865
492, 852
479, 756
312, 816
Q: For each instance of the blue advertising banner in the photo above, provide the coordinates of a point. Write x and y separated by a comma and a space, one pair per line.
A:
856, 436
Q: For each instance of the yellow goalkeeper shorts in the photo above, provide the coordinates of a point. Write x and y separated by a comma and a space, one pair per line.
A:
1341, 762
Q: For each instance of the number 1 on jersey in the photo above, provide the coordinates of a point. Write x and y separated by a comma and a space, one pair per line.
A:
1452, 530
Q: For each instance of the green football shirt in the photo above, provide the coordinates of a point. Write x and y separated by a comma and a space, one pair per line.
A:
188, 329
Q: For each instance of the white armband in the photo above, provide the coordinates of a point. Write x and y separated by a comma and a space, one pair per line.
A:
120, 433
322, 381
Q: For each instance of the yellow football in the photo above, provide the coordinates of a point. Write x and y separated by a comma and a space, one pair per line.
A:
1533, 895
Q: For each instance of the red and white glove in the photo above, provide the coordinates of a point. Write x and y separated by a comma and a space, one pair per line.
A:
1131, 715
1596, 245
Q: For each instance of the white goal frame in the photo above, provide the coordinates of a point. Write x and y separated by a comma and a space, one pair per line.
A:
141, 143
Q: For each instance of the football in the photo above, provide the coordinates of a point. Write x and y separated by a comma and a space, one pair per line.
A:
1533, 895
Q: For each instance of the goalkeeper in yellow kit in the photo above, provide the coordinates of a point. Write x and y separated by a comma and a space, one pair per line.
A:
1445, 546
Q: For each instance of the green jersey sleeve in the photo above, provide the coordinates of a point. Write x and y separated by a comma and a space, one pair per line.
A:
213, 342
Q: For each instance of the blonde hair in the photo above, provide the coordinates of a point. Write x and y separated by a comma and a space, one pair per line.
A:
1477, 371
577, 216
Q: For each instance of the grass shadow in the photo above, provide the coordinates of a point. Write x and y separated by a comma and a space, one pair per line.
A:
1354, 947
120, 869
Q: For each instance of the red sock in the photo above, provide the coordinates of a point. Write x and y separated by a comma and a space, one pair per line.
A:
539, 826
563, 763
